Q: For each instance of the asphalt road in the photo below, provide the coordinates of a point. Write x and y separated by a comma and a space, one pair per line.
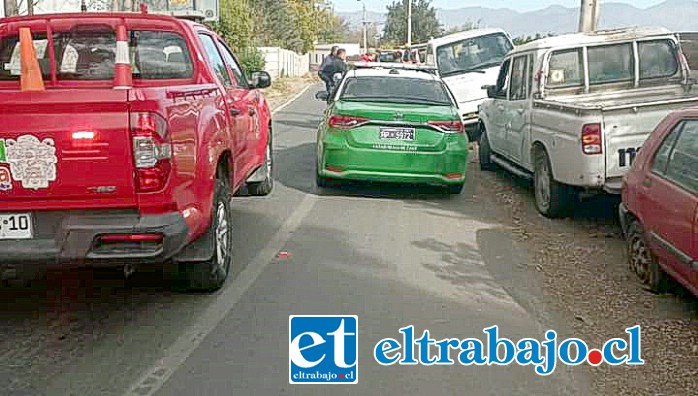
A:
392, 256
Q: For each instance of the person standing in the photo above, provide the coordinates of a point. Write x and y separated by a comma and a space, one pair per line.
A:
337, 66
324, 71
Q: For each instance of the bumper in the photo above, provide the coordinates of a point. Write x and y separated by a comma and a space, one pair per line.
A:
67, 238
446, 167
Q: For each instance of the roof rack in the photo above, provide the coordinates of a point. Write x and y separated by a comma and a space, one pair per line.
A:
393, 66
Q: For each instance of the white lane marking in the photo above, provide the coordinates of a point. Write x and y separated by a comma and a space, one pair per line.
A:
293, 99
177, 353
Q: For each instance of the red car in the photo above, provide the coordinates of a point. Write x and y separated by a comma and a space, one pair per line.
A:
659, 212
100, 174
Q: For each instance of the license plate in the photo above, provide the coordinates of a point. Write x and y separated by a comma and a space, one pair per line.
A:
16, 226
397, 133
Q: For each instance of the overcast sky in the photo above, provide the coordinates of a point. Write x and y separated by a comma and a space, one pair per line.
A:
519, 5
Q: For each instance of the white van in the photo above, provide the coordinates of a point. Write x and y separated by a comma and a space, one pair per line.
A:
467, 61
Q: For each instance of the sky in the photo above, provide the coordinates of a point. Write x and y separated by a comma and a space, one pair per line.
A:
518, 5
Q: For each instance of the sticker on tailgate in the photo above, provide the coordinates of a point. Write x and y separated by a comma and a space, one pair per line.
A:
5, 179
32, 161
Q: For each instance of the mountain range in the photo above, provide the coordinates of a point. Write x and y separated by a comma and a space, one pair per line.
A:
677, 15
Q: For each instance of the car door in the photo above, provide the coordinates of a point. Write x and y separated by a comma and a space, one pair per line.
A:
496, 130
668, 197
237, 108
249, 99
516, 116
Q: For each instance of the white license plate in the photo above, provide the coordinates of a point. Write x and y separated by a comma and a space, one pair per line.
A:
16, 226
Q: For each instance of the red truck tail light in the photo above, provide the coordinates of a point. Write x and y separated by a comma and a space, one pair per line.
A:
345, 122
152, 151
591, 139
454, 126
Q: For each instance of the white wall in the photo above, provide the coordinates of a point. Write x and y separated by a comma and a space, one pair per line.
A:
281, 61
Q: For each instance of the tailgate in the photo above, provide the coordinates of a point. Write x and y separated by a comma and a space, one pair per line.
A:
626, 130
67, 146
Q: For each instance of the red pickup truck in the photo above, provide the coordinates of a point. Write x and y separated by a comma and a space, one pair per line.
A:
97, 175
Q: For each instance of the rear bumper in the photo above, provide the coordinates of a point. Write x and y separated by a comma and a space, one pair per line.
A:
70, 238
442, 168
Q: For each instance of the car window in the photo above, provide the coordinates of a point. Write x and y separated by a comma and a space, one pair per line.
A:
90, 55
216, 60
611, 63
661, 157
474, 53
396, 89
503, 79
518, 79
565, 69
657, 59
234, 66
682, 167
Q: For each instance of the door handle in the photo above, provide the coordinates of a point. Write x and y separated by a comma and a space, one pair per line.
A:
647, 182
234, 112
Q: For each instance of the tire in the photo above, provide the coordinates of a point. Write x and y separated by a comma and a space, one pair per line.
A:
553, 199
485, 152
265, 187
642, 262
455, 189
210, 275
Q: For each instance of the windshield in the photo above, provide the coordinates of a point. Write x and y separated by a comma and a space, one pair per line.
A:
396, 90
85, 55
472, 54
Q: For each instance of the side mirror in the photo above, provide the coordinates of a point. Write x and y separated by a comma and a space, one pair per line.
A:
491, 91
260, 79
322, 95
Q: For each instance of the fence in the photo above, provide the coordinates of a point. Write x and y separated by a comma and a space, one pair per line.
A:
284, 63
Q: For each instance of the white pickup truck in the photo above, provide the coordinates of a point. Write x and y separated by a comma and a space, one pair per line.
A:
572, 111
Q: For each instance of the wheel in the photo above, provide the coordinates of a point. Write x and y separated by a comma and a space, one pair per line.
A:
265, 187
553, 199
485, 152
210, 275
455, 189
642, 262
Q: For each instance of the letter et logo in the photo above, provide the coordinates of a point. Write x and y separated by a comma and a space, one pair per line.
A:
323, 349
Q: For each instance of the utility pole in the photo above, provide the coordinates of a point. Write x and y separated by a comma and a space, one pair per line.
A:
30, 7
365, 23
409, 23
589, 15
11, 8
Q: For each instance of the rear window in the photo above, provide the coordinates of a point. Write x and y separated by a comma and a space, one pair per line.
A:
396, 89
90, 55
657, 59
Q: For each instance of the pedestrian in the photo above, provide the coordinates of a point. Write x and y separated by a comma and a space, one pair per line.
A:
337, 66
324, 71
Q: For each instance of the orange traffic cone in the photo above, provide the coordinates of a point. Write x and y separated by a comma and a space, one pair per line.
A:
30, 78
123, 78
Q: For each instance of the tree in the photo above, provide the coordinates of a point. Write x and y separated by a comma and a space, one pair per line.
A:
469, 25
425, 24
274, 25
233, 24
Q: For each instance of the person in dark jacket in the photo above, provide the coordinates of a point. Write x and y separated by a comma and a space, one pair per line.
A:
324, 67
337, 65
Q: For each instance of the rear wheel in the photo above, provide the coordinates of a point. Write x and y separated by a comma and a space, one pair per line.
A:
642, 262
210, 275
485, 152
265, 187
553, 199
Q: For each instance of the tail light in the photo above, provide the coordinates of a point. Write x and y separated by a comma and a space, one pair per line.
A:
449, 126
345, 122
152, 151
591, 139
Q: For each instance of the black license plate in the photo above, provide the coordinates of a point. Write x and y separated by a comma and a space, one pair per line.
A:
397, 133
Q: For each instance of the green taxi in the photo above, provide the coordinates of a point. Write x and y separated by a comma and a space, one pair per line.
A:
392, 123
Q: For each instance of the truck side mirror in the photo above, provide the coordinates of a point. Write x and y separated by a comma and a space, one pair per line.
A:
322, 95
491, 91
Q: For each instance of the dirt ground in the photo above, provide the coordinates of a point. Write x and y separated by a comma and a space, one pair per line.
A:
283, 89
587, 281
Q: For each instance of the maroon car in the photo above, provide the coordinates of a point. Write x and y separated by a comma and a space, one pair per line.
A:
659, 212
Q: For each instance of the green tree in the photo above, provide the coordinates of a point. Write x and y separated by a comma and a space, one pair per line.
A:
425, 24
274, 25
233, 24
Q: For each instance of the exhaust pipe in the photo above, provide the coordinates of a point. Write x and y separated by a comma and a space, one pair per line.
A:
129, 269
